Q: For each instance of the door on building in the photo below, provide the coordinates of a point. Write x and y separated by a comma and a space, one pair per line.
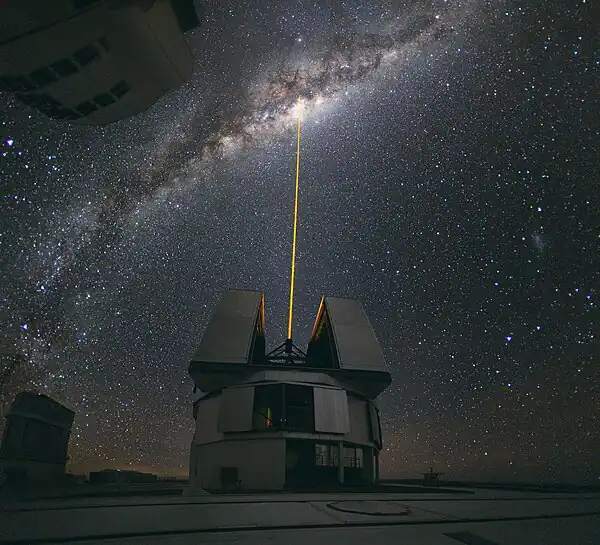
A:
310, 464
354, 465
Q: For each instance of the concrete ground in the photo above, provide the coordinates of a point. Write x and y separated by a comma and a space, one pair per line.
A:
484, 517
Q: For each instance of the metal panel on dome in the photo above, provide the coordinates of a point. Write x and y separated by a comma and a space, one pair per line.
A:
355, 341
331, 410
235, 411
375, 424
233, 328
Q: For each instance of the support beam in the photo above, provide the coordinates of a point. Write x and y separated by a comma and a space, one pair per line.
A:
341, 462
369, 471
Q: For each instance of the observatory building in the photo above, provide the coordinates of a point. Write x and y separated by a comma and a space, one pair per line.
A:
35, 440
287, 418
93, 62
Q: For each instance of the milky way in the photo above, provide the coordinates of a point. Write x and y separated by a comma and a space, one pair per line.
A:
354, 59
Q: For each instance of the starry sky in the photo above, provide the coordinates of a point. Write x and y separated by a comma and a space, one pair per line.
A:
449, 181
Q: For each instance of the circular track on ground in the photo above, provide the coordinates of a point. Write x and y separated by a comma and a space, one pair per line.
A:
374, 508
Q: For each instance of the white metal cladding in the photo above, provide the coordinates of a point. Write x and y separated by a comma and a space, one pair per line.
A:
235, 412
360, 424
375, 425
207, 420
355, 340
291, 377
331, 410
230, 332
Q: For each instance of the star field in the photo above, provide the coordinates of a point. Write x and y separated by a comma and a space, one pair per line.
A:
448, 181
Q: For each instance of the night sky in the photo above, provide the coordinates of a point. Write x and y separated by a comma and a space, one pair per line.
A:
450, 178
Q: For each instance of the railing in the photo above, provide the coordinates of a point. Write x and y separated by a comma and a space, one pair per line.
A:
171, 478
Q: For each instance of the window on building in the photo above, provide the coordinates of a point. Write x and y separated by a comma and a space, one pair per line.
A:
326, 455
283, 407
64, 67
30, 100
104, 99
43, 76
120, 89
353, 457
299, 407
86, 54
48, 105
44, 103
53, 108
86, 108
268, 410
15, 83
65, 113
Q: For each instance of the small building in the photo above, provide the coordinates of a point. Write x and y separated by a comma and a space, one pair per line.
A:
432, 478
120, 476
287, 418
94, 62
35, 440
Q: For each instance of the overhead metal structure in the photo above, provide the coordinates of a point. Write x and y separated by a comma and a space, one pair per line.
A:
236, 331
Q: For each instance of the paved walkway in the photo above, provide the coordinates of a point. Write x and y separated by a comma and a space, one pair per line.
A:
146, 520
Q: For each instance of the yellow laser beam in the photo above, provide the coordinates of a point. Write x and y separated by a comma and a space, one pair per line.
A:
295, 229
